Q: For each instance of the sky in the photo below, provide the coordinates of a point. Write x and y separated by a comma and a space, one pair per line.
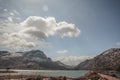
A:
66, 30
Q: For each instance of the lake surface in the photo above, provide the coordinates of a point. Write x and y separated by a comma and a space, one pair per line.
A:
67, 73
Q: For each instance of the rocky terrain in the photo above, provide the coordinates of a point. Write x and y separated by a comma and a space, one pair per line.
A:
34, 59
108, 60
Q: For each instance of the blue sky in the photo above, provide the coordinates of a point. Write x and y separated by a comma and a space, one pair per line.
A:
97, 20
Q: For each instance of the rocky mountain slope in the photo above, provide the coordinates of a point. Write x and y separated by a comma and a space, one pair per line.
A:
34, 59
109, 59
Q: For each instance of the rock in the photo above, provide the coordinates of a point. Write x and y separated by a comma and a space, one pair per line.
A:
109, 59
34, 59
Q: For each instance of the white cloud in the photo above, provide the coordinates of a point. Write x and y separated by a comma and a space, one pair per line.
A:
34, 31
72, 60
14, 41
9, 16
12, 14
16, 12
62, 52
5, 10
46, 27
66, 29
10, 19
10, 38
118, 43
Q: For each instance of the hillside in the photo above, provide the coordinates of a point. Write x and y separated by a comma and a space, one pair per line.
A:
34, 59
109, 59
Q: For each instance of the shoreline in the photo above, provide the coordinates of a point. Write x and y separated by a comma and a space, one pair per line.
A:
93, 75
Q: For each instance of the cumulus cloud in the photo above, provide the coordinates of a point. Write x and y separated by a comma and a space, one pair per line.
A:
34, 31
46, 27
66, 29
10, 38
72, 60
13, 41
62, 52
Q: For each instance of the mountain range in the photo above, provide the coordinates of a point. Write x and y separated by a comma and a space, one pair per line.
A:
34, 59
108, 60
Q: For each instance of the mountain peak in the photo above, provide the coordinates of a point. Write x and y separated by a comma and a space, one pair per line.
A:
109, 59
34, 59
35, 53
111, 51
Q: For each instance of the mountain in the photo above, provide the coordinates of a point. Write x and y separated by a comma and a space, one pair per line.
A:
109, 59
35, 55
34, 59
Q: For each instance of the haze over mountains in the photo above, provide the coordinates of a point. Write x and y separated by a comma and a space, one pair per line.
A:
36, 59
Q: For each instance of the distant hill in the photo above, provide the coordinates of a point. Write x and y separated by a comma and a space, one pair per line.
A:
109, 59
34, 59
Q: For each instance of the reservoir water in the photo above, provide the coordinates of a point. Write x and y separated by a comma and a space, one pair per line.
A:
67, 73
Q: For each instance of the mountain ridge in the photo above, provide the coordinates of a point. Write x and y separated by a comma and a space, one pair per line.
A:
34, 59
109, 59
